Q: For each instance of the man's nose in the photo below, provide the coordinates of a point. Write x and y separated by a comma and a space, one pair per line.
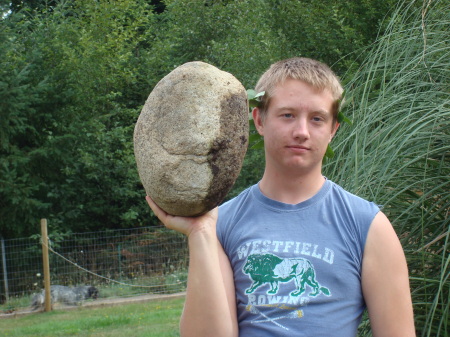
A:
300, 129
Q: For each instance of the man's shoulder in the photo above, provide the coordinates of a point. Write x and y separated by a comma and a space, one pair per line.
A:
340, 190
341, 195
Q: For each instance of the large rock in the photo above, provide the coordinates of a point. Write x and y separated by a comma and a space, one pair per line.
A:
191, 137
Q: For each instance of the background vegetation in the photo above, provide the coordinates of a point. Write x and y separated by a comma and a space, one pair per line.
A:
75, 74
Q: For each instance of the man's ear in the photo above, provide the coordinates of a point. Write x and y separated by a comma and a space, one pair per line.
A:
333, 132
257, 119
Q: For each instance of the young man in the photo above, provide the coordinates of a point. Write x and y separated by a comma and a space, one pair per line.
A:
295, 254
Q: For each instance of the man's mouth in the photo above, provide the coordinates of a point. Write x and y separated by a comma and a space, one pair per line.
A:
298, 148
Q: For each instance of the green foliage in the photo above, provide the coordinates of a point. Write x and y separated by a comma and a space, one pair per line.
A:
245, 37
71, 92
75, 75
22, 96
397, 152
254, 98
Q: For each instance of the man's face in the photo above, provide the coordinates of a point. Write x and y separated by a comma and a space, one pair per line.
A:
297, 128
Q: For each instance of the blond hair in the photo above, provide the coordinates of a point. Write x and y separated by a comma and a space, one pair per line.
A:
310, 71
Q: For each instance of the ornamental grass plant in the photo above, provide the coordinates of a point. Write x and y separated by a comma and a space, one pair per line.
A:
397, 152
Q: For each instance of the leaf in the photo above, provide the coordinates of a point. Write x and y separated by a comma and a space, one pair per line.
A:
342, 118
259, 145
254, 99
329, 153
253, 103
260, 94
254, 137
251, 94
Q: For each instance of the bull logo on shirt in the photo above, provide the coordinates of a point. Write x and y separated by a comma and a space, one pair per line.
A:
271, 269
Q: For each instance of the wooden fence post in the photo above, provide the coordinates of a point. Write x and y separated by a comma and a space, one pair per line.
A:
5, 270
46, 265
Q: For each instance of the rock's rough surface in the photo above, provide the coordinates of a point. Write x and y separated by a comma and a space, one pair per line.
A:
191, 137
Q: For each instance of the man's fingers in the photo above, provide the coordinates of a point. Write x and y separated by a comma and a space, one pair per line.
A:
160, 213
184, 225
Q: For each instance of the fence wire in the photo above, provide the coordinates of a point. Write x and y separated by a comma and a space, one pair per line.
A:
120, 263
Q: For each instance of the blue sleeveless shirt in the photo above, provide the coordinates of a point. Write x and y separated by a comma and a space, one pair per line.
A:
297, 268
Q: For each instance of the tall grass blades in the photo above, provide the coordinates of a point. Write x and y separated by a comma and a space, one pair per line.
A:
397, 153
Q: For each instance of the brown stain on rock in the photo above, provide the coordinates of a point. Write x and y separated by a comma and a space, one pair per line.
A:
228, 151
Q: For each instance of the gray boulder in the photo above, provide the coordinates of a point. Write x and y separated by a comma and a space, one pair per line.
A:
191, 137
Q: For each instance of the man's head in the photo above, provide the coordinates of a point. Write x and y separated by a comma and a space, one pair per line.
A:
312, 72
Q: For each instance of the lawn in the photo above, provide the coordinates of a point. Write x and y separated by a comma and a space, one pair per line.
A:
155, 318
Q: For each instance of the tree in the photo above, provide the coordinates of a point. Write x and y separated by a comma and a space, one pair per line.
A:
66, 73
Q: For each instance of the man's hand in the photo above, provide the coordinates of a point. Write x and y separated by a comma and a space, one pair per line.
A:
185, 225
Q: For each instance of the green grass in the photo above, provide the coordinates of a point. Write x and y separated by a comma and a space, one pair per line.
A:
156, 318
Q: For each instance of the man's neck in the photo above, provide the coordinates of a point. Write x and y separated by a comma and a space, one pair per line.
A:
291, 189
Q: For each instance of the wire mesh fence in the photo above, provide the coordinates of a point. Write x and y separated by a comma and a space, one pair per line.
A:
119, 263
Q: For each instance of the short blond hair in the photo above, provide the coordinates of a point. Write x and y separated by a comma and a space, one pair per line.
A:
312, 72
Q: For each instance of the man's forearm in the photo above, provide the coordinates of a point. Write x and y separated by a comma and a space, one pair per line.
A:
207, 309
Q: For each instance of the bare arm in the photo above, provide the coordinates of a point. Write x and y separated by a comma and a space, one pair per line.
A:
385, 282
210, 307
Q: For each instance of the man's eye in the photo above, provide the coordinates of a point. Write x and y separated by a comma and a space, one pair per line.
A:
317, 119
288, 115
